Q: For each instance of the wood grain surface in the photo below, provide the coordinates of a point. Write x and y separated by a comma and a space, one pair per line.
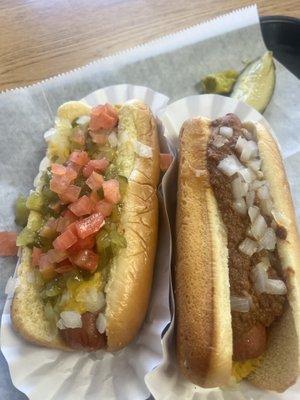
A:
42, 38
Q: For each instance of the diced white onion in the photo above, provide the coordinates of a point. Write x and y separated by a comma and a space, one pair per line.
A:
112, 139
263, 193
266, 206
250, 151
259, 227
142, 149
239, 188
93, 299
250, 196
101, 323
240, 143
247, 174
259, 277
226, 131
69, 319
230, 165
248, 135
83, 120
49, 134
257, 184
280, 218
254, 164
253, 213
219, 141
240, 206
240, 304
248, 247
275, 286
268, 240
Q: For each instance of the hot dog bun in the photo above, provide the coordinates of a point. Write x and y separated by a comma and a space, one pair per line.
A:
129, 285
204, 333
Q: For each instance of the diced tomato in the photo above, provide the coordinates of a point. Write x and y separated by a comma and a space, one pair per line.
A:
65, 240
74, 166
46, 267
8, 243
56, 256
70, 194
71, 174
86, 259
90, 225
99, 138
64, 266
72, 228
35, 256
82, 206
111, 191
94, 197
78, 137
81, 244
95, 165
165, 160
104, 207
66, 219
79, 157
95, 181
103, 116
58, 169
58, 184
49, 229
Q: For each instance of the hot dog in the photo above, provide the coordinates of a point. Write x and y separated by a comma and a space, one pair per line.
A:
88, 248
238, 250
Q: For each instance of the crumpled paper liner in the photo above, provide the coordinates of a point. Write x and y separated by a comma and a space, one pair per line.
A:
44, 373
165, 382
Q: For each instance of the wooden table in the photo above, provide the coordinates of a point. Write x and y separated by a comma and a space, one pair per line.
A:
42, 38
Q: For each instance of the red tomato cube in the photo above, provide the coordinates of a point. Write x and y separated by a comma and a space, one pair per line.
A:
86, 259
81, 244
90, 225
95, 181
65, 240
35, 256
46, 268
70, 194
111, 191
79, 157
58, 169
104, 207
82, 206
8, 243
103, 116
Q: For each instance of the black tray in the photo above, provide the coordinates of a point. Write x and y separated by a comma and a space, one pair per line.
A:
281, 35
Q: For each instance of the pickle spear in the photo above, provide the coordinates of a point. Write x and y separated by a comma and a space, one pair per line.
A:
256, 83
220, 82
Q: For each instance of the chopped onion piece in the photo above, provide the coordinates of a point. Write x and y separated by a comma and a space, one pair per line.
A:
101, 323
250, 196
142, 149
275, 286
240, 206
219, 141
257, 184
240, 304
226, 131
266, 206
253, 213
248, 247
240, 143
259, 227
263, 193
280, 218
230, 165
249, 151
239, 188
268, 241
113, 140
69, 319
254, 164
259, 276
247, 174
248, 135
83, 120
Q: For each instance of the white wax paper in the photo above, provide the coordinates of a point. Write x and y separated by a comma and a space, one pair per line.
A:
165, 382
45, 373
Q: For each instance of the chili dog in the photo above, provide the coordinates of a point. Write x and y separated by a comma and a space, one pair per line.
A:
88, 248
237, 275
